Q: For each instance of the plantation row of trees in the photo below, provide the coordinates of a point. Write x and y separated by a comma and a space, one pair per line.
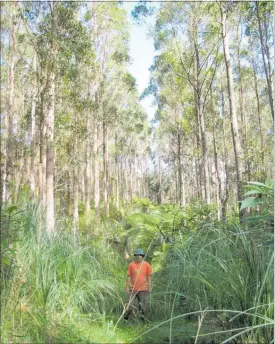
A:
71, 123
212, 81
73, 130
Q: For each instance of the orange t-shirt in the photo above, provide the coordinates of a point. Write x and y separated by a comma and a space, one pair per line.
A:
138, 273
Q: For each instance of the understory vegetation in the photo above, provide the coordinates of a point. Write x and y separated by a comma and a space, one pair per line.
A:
212, 280
129, 125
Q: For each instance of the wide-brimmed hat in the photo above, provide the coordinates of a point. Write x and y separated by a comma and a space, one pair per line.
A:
139, 252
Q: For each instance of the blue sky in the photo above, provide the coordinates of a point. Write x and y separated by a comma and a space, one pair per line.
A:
142, 54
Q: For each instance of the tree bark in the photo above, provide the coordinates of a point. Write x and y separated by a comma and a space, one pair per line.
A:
224, 199
75, 205
217, 177
160, 183
96, 169
256, 87
10, 108
242, 112
126, 180
88, 172
266, 67
105, 168
180, 171
131, 179
116, 168
232, 105
200, 115
32, 135
50, 215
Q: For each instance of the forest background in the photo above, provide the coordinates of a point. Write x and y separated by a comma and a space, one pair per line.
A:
86, 178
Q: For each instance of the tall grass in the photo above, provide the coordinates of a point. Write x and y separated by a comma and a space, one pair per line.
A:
56, 282
226, 273
211, 281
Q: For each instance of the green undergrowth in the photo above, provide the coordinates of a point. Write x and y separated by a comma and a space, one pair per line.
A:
212, 281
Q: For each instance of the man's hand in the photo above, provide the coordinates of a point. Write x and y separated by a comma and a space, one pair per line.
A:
127, 290
149, 289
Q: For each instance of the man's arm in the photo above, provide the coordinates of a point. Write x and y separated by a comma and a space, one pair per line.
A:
128, 284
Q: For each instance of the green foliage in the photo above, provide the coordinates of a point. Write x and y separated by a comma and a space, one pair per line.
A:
142, 11
57, 281
264, 195
216, 270
261, 202
61, 291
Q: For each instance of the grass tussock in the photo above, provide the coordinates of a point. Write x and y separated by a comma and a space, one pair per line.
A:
212, 282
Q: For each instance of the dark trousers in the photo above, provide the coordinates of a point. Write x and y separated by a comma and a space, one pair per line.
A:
137, 303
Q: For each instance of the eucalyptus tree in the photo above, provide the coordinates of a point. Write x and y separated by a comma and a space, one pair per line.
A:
10, 28
57, 37
193, 52
265, 21
196, 49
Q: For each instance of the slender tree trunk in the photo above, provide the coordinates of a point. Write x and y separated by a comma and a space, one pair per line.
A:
117, 176
180, 171
224, 199
68, 196
257, 99
267, 75
217, 172
117, 184
88, 173
217, 177
96, 169
105, 168
75, 205
18, 178
131, 179
10, 107
160, 183
42, 152
201, 123
135, 175
50, 167
126, 180
243, 114
232, 105
32, 135
82, 194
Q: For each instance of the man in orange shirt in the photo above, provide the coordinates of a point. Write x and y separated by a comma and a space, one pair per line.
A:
138, 284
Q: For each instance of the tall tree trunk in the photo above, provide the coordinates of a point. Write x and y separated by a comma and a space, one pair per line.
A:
257, 99
217, 171
242, 112
88, 173
42, 152
96, 169
50, 215
180, 171
126, 180
201, 120
224, 199
82, 194
117, 176
32, 134
135, 175
232, 106
217, 177
10, 107
160, 182
266, 67
131, 179
75, 205
105, 168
